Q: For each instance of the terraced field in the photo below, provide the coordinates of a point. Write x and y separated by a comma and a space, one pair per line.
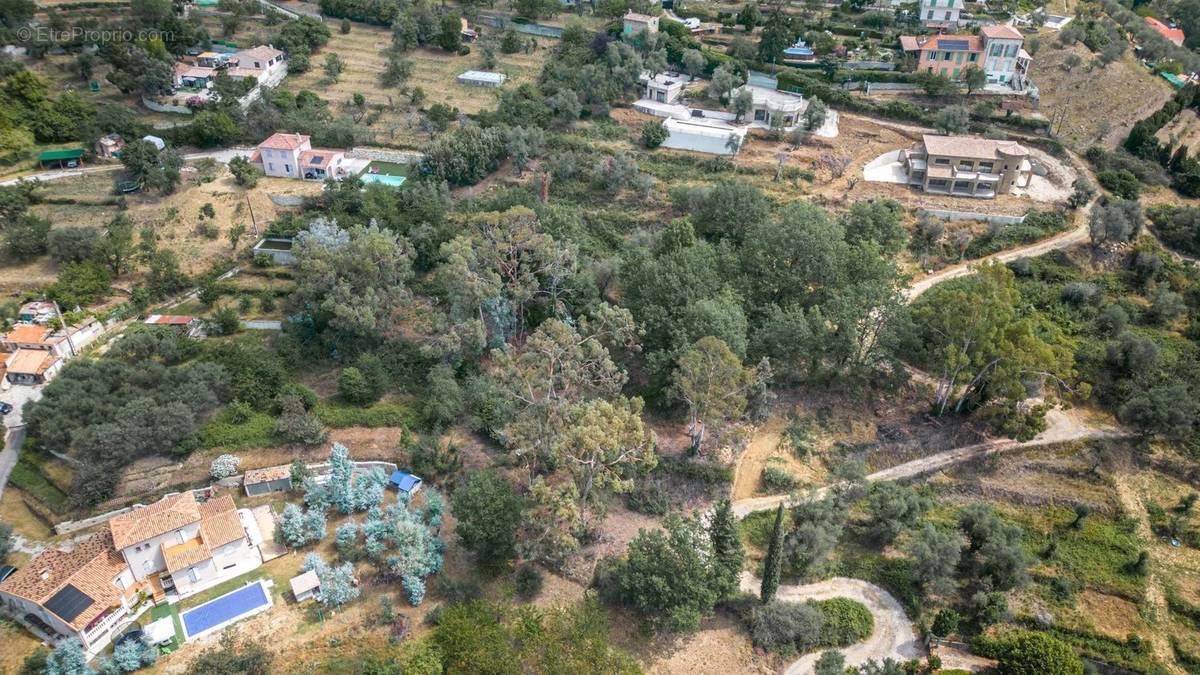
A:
393, 122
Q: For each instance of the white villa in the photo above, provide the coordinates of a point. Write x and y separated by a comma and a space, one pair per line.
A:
167, 550
286, 155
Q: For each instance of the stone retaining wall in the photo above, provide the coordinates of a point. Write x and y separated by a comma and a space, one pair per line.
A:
386, 155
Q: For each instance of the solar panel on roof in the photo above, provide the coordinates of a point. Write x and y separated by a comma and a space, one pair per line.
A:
954, 44
69, 603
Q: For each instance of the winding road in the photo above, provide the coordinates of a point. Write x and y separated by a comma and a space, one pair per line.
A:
892, 637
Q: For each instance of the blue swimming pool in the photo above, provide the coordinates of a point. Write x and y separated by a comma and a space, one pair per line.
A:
225, 609
383, 179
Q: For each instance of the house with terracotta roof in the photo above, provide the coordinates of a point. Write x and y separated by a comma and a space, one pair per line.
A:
1174, 35
997, 51
174, 547
31, 366
193, 77
965, 166
62, 342
285, 155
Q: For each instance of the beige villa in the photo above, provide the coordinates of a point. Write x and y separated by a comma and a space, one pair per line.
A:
966, 166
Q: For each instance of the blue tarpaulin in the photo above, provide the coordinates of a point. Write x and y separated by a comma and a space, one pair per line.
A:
405, 481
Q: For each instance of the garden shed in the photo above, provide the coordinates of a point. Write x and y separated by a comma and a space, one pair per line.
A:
306, 586
405, 482
265, 481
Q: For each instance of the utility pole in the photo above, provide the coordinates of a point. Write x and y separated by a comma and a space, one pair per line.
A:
66, 329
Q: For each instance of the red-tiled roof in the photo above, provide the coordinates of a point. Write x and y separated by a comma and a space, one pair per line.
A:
27, 333
169, 319
973, 43
168, 513
1002, 33
282, 141
1173, 34
318, 157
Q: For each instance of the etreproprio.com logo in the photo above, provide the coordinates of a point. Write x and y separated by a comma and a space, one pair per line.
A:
84, 34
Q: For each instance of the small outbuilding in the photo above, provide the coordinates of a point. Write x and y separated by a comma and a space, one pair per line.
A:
265, 481
109, 147
306, 586
60, 159
405, 482
482, 78
278, 249
155, 141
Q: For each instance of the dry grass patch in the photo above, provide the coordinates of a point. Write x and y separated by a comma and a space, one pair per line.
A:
24, 522
364, 56
1120, 93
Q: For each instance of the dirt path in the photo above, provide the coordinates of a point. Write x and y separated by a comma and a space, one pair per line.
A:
753, 460
1154, 592
893, 636
1062, 426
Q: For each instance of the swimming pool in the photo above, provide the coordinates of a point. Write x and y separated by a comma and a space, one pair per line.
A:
383, 179
224, 610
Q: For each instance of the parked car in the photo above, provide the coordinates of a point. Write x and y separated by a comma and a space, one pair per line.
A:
7, 571
5, 408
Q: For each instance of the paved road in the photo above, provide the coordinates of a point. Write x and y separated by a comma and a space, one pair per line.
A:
892, 637
223, 156
14, 427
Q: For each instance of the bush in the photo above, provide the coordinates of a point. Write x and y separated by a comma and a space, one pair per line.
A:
846, 622
224, 466
946, 622
1025, 652
654, 134
775, 479
786, 627
1121, 183
529, 581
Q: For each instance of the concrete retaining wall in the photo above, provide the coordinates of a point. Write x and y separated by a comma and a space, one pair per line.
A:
970, 215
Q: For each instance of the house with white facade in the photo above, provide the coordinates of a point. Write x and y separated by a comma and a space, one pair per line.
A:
172, 548
663, 87
285, 155
938, 14
772, 105
263, 63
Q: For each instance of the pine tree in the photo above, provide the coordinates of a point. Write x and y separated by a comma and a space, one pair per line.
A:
773, 568
728, 554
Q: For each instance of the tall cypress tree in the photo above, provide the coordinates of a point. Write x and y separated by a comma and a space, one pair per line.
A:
773, 567
728, 553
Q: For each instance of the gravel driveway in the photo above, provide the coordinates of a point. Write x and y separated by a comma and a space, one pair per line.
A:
894, 636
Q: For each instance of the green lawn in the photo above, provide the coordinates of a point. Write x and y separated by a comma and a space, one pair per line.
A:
387, 168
